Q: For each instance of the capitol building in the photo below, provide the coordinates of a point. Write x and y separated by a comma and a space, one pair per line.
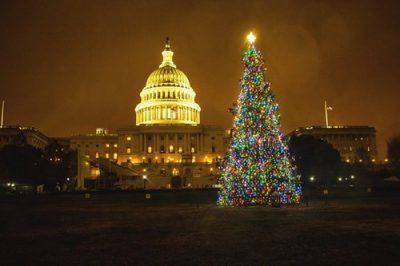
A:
167, 148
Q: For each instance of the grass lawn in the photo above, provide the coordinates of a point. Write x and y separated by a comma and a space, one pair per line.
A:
186, 228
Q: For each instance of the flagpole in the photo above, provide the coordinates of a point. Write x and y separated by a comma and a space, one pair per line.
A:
2, 114
326, 115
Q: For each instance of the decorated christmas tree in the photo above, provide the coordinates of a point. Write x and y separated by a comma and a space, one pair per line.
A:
257, 169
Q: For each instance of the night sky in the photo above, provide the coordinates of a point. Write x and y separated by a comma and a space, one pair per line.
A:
67, 67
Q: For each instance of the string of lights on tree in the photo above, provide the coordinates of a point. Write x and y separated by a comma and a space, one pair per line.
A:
257, 169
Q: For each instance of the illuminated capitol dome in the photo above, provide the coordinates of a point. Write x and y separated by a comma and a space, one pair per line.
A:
167, 148
167, 97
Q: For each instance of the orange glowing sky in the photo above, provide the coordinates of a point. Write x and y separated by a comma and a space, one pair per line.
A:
68, 67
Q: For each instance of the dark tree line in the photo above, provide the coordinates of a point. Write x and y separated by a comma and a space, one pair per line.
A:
393, 152
25, 164
317, 161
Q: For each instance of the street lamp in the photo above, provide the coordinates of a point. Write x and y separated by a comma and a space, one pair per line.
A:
312, 179
144, 181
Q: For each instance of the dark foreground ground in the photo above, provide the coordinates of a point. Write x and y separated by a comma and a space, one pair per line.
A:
185, 228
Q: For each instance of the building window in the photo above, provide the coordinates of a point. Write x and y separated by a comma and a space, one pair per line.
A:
149, 160
180, 149
149, 137
171, 149
213, 149
192, 150
97, 145
87, 146
115, 145
212, 138
107, 155
149, 149
128, 150
128, 138
162, 160
107, 145
161, 137
180, 137
162, 149
97, 155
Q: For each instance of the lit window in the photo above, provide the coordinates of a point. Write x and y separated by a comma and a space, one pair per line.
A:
180, 149
194, 159
115, 156
115, 145
107, 155
107, 145
149, 149
128, 138
97, 155
128, 150
171, 148
192, 149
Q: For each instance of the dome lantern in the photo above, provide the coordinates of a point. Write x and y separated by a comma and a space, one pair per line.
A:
167, 55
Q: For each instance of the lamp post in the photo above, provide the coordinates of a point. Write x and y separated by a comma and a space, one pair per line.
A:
327, 108
144, 181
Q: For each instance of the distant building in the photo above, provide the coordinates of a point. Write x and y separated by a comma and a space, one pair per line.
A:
168, 145
23, 135
354, 143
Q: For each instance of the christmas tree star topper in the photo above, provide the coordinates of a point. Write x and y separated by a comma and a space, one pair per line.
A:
251, 38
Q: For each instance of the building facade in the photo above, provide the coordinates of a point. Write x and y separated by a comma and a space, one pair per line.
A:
354, 143
23, 135
168, 145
